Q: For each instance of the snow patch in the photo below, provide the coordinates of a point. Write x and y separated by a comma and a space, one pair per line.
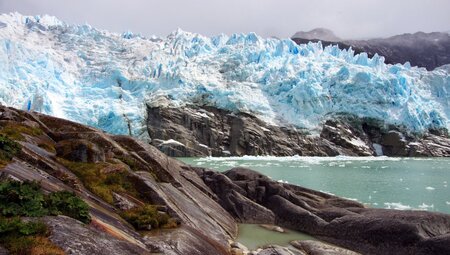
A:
172, 142
358, 143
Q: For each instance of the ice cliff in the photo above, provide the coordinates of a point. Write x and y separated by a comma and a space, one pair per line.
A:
106, 79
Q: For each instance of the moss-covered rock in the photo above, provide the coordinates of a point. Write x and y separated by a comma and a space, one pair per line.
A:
80, 150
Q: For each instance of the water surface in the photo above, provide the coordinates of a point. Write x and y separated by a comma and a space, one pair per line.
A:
397, 183
253, 236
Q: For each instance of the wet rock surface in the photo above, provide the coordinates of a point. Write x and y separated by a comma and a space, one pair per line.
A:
339, 221
207, 131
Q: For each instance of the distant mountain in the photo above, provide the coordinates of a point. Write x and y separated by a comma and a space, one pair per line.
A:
318, 34
429, 50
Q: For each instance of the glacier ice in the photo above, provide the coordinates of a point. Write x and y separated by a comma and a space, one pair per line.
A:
107, 80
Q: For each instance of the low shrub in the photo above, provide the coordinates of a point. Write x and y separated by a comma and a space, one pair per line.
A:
145, 217
27, 199
99, 183
8, 149
20, 237
67, 203
15, 131
21, 199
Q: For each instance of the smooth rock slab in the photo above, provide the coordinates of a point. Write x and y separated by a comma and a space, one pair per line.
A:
77, 238
311, 247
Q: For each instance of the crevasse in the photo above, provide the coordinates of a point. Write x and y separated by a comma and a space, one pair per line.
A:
106, 79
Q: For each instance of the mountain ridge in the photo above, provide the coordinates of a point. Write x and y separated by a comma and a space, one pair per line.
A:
429, 50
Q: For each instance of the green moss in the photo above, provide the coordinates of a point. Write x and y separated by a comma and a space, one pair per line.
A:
99, 183
15, 131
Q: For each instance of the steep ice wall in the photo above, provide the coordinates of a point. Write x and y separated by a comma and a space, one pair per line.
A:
105, 79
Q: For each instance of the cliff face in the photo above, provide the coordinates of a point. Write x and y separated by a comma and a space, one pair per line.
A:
48, 155
204, 131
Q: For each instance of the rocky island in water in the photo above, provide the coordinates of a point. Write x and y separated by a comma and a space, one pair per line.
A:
90, 122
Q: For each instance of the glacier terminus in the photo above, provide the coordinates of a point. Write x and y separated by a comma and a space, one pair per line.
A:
107, 79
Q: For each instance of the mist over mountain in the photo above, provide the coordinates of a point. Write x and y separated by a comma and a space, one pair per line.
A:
429, 50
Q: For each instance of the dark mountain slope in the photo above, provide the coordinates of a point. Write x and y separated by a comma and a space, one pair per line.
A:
429, 50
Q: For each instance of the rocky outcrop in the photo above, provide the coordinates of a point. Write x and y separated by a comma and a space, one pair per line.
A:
77, 238
208, 131
205, 205
50, 145
339, 221
429, 50
311, 247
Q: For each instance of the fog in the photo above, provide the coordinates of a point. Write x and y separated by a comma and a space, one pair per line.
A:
350, 19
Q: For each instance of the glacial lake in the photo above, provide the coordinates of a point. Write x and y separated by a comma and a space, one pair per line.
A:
381, 182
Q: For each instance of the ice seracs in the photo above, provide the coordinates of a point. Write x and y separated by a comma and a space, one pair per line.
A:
106, 80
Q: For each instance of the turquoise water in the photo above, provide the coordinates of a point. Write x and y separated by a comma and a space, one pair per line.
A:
397, 183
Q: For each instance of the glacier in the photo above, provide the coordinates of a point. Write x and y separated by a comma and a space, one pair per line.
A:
107, 80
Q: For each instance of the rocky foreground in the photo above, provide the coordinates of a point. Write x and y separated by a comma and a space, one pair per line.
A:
194, 131
205, 206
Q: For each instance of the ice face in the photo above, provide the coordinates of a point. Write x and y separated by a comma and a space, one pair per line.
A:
106, 80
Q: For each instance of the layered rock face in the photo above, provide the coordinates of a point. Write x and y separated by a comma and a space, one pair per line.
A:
204, 131
343, 222
204, 227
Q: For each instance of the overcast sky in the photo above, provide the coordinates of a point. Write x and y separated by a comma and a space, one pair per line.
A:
281, 18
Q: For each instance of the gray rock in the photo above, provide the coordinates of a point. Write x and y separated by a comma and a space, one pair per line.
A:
311, 247
77, 238
80, 150
122, 202
205, 131
339, 221
279, 250
3, 251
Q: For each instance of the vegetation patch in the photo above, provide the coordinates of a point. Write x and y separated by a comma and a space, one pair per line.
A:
47, 146
8, 149
130, 162
27, 199
147, 217
100, 183
15, 131
67, 203
20, 237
